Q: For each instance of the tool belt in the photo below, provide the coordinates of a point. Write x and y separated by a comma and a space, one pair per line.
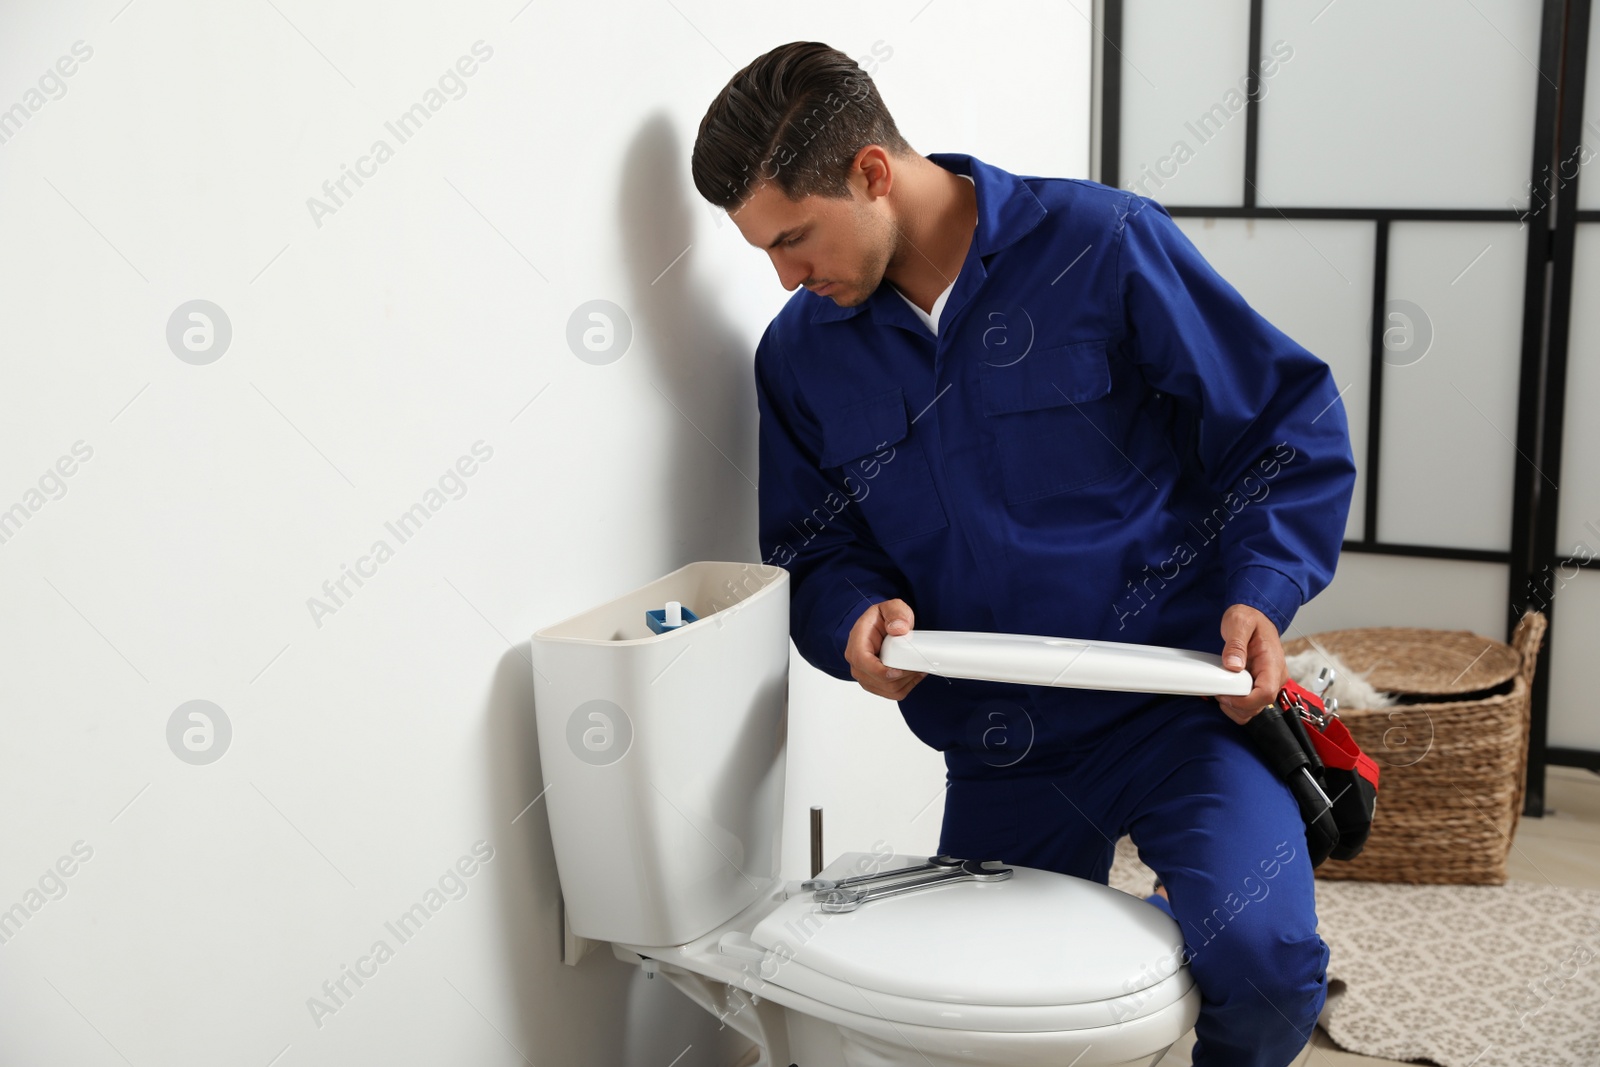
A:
1334, 782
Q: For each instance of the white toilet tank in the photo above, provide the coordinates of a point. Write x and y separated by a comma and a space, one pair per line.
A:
663, 753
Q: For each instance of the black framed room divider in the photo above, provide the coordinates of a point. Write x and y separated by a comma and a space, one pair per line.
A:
1536, 565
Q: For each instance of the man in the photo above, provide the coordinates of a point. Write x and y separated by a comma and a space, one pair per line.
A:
1027, 405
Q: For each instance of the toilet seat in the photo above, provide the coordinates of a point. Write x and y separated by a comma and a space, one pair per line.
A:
957, 1020
1040, 951
983, 1018
1138, 1040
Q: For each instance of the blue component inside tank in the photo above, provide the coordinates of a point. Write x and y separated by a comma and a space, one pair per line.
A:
657, 620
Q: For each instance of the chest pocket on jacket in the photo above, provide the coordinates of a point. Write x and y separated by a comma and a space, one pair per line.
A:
867, 443
1054, 423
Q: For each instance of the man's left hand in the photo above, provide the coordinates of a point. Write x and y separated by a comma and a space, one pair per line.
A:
1251, 641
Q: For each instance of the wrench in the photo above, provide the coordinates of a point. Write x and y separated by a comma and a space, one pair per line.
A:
834, 901
935, 863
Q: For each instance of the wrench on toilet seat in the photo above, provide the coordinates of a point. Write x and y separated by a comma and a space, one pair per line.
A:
935, 863
834, 901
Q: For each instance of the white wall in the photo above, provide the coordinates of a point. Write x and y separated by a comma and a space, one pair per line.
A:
372, 349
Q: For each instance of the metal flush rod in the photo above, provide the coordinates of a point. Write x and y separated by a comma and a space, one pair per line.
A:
816, 840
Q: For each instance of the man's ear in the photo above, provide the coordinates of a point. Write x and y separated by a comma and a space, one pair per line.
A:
875, 169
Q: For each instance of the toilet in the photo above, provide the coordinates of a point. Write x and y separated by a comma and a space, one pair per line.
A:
663, 763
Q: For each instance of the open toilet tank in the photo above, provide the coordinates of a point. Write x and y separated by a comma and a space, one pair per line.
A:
663, 761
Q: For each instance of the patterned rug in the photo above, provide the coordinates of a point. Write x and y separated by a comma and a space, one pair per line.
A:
1460, 976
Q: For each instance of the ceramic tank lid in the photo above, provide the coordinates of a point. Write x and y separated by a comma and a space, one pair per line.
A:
1038, 938
1066, 662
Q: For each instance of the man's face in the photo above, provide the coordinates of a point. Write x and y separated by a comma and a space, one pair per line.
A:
839, 246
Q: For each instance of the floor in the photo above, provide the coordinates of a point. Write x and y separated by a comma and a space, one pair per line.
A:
1562, 848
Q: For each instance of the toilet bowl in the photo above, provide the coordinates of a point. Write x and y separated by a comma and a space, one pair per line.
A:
1041, 969
663, 762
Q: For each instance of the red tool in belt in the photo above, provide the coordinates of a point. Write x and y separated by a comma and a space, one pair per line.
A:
1302, 740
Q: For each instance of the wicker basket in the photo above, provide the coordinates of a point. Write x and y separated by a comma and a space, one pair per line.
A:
1453, 757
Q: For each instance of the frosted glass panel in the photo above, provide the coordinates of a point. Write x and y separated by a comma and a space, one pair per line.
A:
1453, 340
1589, 187
1436, 594
1428, 103
1313, 281
1579, 476
1182, 105
1574, 634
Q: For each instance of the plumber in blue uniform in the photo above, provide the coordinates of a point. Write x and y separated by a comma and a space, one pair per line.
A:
1023, 404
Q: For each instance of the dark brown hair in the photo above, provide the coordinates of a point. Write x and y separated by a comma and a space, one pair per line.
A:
796, 116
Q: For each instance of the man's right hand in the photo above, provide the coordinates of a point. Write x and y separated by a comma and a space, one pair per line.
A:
866, 642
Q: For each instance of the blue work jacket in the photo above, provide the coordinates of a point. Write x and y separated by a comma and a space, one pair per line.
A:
1103, 441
